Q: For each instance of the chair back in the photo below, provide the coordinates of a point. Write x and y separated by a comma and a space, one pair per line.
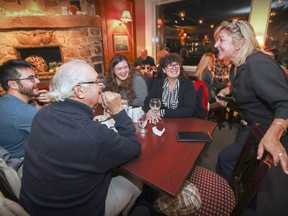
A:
202, 94
247, 176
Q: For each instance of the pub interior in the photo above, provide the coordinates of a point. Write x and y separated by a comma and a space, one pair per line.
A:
53, 32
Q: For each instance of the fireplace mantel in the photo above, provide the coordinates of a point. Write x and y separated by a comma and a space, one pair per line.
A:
46, 22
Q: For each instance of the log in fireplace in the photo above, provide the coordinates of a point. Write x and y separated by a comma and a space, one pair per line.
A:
52, 55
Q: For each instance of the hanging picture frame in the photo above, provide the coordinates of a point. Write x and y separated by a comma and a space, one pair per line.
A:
121, 43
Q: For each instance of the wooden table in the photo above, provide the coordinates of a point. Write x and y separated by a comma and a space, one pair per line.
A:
164, 162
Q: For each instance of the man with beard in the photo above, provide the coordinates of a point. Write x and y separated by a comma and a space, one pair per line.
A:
17, 108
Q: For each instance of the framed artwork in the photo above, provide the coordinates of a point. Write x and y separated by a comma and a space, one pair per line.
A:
120, 43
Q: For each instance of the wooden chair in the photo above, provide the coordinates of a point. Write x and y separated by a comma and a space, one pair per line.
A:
222, 198
246, 179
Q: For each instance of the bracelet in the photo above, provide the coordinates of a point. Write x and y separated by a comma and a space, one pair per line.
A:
283, 127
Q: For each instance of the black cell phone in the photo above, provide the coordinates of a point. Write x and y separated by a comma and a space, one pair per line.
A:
225, 98
192, 136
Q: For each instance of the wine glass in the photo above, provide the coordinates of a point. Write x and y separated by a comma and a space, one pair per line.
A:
142, 122
155, 104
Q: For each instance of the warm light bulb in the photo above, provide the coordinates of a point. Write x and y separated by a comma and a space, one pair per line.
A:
260, 40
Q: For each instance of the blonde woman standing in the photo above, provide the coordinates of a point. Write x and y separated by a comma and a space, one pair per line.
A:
260, 87
205, 72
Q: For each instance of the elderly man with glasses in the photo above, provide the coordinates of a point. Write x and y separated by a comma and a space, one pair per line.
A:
17, 108
69, 157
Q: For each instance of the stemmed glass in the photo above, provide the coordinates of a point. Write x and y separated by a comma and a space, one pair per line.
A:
155, 104
142, 122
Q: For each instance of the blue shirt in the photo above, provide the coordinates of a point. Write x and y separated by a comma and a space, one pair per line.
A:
16, 119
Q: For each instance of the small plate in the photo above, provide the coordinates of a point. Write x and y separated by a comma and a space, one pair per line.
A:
108, 121
101, 118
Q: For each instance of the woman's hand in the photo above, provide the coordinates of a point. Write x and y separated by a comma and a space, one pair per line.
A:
222, 93
271, 143
152, 117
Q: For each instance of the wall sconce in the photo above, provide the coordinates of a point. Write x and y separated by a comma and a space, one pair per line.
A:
126, 17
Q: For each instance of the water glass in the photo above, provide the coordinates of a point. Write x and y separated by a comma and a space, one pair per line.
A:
142, 122
155, 105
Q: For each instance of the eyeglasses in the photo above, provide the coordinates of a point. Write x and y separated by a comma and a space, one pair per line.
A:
32, 78
93, 82
170, 66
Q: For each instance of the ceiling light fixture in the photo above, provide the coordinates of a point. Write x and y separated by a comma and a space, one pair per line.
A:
182, 14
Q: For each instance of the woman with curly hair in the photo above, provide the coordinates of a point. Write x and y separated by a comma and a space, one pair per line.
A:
125, 81
175, 90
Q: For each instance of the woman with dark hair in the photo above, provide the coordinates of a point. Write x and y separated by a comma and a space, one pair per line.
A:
125, 81
174, 89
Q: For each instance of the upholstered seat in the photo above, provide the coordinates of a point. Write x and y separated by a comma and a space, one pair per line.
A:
216, 194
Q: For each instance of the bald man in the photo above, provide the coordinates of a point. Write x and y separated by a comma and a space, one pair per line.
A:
143, 60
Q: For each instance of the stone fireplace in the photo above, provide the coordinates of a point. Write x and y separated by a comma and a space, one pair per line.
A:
77, 36
51, 54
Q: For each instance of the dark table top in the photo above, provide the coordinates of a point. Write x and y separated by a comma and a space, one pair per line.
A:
164, 162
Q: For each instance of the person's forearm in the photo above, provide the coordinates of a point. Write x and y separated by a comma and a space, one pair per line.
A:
226, 91
278, 127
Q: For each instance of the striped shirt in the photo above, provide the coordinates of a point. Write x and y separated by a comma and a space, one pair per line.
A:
169, 98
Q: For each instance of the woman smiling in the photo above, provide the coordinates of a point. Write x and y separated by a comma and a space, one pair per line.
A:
128, 83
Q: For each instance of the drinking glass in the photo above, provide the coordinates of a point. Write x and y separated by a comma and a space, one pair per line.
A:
155, 104
142, 122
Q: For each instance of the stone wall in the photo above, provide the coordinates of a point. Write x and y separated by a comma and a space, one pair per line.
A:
43, 7
83, 43
30, 23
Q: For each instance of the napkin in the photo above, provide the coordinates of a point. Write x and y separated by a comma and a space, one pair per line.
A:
158, 132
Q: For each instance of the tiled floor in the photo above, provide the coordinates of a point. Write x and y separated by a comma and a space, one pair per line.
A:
273, 194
